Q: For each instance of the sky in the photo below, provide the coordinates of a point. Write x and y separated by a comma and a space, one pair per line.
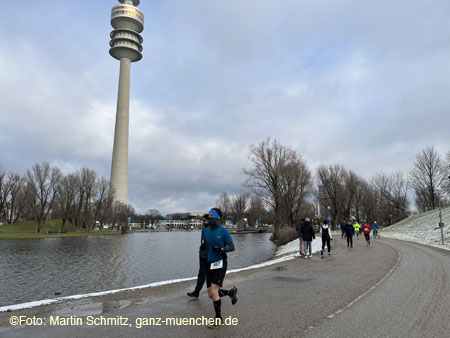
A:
361, 83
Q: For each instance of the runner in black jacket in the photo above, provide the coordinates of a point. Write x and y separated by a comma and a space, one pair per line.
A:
203, 257
349, 232
326, 237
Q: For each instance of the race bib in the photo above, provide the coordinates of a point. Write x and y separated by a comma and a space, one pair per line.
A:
217, 265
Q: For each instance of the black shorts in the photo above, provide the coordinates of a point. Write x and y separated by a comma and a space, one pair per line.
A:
367, 237
216, 276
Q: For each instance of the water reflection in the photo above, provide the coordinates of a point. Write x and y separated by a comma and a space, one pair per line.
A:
36, 269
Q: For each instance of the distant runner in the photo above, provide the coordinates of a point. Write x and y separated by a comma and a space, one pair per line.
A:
349, 232
342, 226
326, 237
366, 230
357, 228
375, 229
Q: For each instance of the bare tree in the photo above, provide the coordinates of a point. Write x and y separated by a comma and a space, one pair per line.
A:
3, 192
42, 180
121, 213
366, 201
392, 195
239, 205
13, 197
427, 174
68, 188
270, 159
332, 178
83, 215
257, 213
153, 215
297, 186
224, 204
351, 185
101, 200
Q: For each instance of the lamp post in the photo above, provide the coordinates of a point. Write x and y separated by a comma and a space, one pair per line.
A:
438, 191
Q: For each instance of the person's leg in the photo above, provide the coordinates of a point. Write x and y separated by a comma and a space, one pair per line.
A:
348, 241
323, 246
351, 241
213, 293
302, 245
200, 278
329, 244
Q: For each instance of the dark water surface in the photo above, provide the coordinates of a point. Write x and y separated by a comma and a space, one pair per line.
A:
34, 269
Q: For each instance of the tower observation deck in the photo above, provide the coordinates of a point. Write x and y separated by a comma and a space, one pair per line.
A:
127, 21
126, 46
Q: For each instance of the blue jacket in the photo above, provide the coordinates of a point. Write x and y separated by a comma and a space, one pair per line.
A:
217, 236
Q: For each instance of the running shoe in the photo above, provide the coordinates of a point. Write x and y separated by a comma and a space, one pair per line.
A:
194, 293
218, 322
233, 295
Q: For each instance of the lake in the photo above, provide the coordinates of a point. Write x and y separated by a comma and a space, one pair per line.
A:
34, 269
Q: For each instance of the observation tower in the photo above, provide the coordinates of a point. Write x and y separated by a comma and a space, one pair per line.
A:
126, 46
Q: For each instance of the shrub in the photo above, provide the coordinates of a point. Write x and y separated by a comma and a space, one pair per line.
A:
287, 235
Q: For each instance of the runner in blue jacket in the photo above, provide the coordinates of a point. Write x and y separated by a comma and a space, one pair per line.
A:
218, 242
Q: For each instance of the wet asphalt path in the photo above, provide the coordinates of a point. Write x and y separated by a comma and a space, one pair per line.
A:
414, 301
390, 289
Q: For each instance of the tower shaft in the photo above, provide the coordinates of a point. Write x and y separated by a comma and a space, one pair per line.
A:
126, 46
119, 165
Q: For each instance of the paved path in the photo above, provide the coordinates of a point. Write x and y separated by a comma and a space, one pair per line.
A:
405, 288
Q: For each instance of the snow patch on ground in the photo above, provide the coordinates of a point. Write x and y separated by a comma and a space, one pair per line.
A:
422, 228
293, 247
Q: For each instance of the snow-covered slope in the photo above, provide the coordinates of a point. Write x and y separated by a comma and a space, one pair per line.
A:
422, 228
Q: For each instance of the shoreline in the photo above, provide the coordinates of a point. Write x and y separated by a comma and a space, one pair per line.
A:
275, 259
32, 304
62, 235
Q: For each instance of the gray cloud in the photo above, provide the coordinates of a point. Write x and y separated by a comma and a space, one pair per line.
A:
359, 83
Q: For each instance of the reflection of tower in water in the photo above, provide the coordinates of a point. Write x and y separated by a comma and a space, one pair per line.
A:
126, 46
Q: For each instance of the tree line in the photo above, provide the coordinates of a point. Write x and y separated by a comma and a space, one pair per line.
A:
82, 198
280, 189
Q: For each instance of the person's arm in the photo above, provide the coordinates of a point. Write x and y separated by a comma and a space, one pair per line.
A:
202, 241
229, 245
329, 232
